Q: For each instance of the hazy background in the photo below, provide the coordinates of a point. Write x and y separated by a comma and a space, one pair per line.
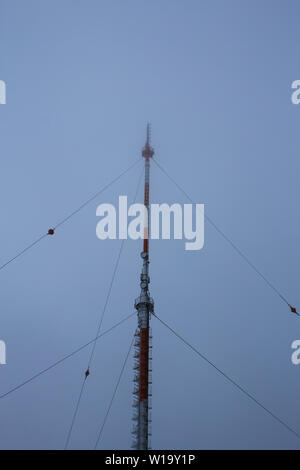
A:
214, 78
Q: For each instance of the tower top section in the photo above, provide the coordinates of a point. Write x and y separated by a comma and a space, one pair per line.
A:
148, 151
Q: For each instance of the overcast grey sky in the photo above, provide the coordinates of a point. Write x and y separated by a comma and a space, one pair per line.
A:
214, 79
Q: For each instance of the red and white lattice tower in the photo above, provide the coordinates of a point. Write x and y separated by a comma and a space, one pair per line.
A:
144, 305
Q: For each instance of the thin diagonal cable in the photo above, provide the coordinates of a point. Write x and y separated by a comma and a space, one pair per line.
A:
96, 195
76, 408
106, 300
98, 330
225, 237
113, 277
113, 395
69, 216
76, 351
23, 251
233, 382
75, 413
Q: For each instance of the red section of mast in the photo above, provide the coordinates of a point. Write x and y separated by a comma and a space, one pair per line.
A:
144, 364
146, 230
147, 153
145, 306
